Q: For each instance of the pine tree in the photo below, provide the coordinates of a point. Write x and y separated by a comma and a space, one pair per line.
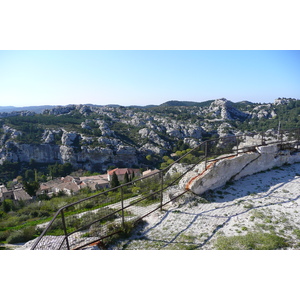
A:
126, 178
114, 180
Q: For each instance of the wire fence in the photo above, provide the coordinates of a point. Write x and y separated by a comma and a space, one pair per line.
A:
109, 213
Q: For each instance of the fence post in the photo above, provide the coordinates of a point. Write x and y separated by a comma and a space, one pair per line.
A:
122, 205
205, 154
65, 229
161, 188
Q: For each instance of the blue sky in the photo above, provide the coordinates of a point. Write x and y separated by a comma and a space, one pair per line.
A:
146, 77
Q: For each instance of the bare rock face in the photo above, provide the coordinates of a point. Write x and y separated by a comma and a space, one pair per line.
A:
153, 137
90, 158
108, 141
43, 153
191, 142
49, 136
69, 138
104, 127
263, 112
11, 132
59, 110
280, 101
150, 149
223, 109
235, 167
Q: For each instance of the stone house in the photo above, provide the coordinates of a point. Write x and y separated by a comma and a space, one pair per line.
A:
121, 173
15, 194
72, 185
150, 172
95, 182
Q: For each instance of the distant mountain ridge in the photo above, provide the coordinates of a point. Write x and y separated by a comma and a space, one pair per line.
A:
186, 103
41, 108
171, 103
36, 109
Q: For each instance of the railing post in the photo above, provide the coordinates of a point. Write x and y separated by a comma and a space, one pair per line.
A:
65, 229
262, 139
161, 189
237, 145
122, 205
205, 154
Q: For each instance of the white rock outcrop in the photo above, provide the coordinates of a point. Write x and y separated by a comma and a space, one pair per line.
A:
235, 167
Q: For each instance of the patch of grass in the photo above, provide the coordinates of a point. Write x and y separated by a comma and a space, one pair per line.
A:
268, 220
21, 236
121, 232
181, 246
187, 238
265, 226
252, 241
297, 233
258, 214
248, 206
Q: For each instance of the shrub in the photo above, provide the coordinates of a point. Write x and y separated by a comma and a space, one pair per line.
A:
4, 235
251, 241
21, 236
8, 205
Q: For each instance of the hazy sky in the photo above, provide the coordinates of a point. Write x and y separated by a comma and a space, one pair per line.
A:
145, 77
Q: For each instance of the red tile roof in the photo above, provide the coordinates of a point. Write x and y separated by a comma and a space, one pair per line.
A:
123, 171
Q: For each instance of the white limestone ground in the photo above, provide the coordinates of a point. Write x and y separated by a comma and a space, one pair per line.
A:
268, 201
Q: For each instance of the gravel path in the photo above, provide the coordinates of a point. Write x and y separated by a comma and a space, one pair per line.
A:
266, 202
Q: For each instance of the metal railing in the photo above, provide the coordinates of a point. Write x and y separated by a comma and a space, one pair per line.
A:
106, 214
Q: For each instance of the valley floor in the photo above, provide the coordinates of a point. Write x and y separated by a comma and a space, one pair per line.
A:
263, 203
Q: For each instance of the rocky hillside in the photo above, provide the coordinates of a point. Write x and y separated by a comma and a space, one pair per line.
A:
97, 137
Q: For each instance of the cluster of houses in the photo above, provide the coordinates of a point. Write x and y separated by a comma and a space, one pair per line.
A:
71, 185
16, 193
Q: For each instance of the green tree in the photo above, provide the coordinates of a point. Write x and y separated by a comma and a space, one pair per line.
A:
31, 187
114, 180
126, 178
149, 157
29, 175
8, 205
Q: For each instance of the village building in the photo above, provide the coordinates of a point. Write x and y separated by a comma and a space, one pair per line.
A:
150, 172
21, 194
95, 182
15, 194
121, 173
71, 185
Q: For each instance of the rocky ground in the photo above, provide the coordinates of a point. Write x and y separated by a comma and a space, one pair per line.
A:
267, 202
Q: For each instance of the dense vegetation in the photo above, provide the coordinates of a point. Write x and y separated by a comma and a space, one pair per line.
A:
32, 171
